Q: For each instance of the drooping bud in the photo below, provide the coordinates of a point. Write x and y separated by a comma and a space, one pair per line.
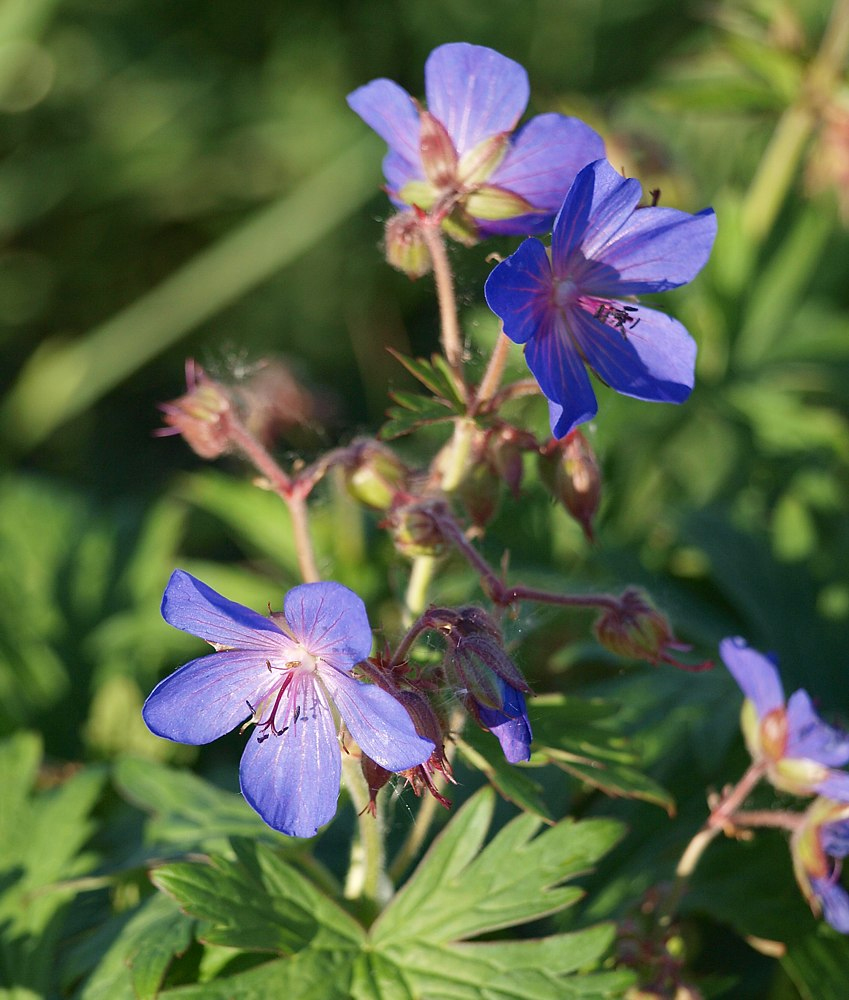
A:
494, 688
202, 415
374, 474
428, 726
415, 531
477, 658
505, 449
571, 472
635, 629
405, 246
376, 777
479, 488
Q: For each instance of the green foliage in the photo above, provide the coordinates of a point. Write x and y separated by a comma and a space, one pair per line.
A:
420, 943
43, 833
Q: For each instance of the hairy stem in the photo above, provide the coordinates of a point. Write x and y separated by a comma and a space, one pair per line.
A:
494, 372
293, 494
367, 879
499, 592
452, 342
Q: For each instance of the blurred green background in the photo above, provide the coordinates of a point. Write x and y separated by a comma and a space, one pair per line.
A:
181, 178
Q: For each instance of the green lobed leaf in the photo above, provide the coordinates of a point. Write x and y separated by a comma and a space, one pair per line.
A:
412, 411
187, 811
133, 966
43, 834
258, 902
309, 975
481, 751
435, 375
516, 878
817, 964
565, 734
515, 970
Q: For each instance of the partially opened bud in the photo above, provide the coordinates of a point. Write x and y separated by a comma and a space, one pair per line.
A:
571, 472
202, 416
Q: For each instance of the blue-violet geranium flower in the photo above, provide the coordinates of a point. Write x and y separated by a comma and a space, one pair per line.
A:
571, 306
460, 157
283, 673
818, 846
798, 749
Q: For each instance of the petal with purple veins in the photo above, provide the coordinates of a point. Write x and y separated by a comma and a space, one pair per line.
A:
331, 622
206, 698
657, 249
755, 673
519, 290
598, 204
379, 724
543, 161
559, 369
474, 91
292, 780
192, 606
392, 113
654, 359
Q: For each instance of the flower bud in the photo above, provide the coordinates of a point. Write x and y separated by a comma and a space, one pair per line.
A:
637, 630
202, 415
376, 777
374, 474
480, 493
505, 449
571, 472
405, 247
415, 531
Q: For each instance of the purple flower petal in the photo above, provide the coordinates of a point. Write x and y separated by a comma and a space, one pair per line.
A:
330, 621
541, 165
834, 838
391, 112
810, 737
292, 780
510, 725
835, 786
598, 204
755, 673
835, 902
206, 698
474, 91
192, 606
654, 359
399, 172
657, 249
559, 369
380, 725
519, 291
